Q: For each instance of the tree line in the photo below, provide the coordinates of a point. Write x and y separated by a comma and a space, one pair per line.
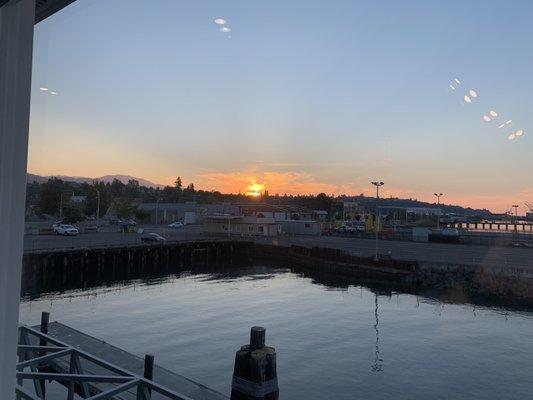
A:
55, 196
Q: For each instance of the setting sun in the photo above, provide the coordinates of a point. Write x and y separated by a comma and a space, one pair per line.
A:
254, 189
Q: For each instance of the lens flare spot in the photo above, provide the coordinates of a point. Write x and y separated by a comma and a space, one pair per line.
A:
457, 81
519, 133
452, 87
468, 99
44, 89
225, 29
472, 93
486, 118
219, 21
505, 123
512, 136
493, 113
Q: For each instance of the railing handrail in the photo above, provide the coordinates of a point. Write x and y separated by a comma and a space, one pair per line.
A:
127, 379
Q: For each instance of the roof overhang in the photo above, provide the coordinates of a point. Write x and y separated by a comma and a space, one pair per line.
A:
45, 8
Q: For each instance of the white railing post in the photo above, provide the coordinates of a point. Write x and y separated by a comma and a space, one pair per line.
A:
16, 45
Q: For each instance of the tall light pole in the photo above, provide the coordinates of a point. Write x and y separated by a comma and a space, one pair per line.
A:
97, 209
515, 206
438, 203
376, 222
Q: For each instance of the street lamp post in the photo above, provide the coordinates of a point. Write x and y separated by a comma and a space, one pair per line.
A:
438, 203
97, 209
515, 206
376, 222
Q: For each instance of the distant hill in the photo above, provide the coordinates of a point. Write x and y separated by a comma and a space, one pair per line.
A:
397, 202
81, 179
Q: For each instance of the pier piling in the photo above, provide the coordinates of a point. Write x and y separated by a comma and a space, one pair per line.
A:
45, 320
255, 374
148, 374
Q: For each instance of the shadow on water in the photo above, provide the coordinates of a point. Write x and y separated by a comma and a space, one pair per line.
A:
57, 281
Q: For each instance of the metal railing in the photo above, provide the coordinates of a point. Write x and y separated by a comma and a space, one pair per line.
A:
36, 357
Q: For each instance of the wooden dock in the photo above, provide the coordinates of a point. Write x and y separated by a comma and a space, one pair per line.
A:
124, 360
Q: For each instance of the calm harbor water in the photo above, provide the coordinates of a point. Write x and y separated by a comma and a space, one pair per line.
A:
332, 342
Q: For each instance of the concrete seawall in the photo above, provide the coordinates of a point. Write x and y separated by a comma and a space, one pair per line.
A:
79, 268
513, 286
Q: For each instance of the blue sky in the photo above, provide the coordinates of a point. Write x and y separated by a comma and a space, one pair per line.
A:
300, 96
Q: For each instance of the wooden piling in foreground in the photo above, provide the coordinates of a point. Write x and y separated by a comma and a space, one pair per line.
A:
255, 374
148, 374
45, 320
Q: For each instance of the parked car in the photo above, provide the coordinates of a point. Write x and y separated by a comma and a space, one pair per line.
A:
450, 232
341, 229
359, 228
176, 225
327, 232
128, 222
66, 230
152, 238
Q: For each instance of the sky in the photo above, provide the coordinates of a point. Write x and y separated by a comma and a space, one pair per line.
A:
297, 97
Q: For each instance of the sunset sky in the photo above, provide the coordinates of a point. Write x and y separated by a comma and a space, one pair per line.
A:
298, 97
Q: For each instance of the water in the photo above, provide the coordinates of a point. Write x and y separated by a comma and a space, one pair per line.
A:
332, 342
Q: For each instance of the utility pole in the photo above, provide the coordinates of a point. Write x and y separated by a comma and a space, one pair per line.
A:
156, 205
377, 216
97, 209
438, 203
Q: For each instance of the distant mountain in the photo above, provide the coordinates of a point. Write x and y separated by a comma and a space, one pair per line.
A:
81, 179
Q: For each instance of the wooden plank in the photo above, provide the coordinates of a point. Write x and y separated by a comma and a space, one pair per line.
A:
123, 359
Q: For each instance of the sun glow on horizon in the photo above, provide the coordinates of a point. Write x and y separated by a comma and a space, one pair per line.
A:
254, 189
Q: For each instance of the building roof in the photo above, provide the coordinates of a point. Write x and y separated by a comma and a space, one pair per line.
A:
241, 219
181, 207
320, 212
264, 207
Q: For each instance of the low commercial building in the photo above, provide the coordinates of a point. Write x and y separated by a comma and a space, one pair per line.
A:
297, 227
241, 225
352, 210
278, 212
188, 213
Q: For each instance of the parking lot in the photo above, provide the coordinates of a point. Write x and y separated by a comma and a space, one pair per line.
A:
490, 256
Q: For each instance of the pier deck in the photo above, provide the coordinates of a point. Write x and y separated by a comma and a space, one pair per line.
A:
124, 360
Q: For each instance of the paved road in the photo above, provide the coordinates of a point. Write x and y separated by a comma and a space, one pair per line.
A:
431, 252
100, 239
492, 256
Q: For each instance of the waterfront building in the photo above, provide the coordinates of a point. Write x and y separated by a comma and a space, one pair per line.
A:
241, 225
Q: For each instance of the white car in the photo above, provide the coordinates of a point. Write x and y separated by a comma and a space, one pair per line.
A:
66, 230
176, 225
